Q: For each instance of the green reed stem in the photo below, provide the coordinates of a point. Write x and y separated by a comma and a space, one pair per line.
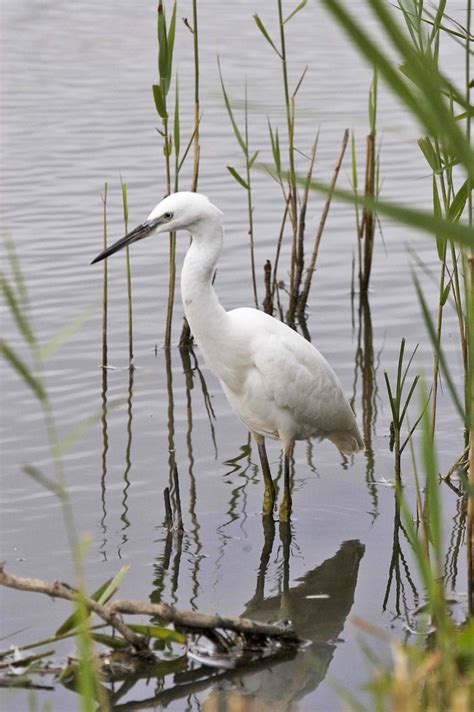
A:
292, 189
197, 149
249, 202
104, 283
129, 273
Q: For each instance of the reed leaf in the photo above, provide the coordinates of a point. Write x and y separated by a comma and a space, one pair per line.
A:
23, 370
109, 641
275, 143
296, 10
412, 217
103, 594
42, 480
16, 270
230, 112
17, 311
67, 331
427, 103
238, 177
154, 631
160, 102
439, 351
170, 40
264, 32
458, 203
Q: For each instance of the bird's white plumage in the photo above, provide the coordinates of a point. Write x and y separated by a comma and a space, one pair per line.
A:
278, 384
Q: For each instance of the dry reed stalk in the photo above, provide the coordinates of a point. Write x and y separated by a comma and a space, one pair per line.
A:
303, 299
299, 244
267, 280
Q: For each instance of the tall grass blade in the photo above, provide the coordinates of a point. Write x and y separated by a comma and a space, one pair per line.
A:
439, 351
67, 331
412, 217
17, 311
23, 370
42, 480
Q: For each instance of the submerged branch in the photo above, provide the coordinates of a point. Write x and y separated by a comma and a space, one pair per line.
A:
194, 622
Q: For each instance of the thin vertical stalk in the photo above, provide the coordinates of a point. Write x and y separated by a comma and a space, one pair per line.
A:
185, 339
172, 243
291, 149
197, 149
249, 203
368, 221
129, 273
303, 299
104, 283
299, 257
470, 330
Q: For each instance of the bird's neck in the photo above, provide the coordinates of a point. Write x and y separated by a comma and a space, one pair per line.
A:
206, 316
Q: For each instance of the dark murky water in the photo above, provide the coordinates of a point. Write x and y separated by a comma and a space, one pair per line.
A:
78, 111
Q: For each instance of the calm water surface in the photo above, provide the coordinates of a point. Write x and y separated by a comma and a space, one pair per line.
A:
78, 111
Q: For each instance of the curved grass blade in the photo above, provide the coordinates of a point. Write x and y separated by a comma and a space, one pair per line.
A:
264, 32
420, 219
69, 330
16, 310
295, 11
22, 369
101, 595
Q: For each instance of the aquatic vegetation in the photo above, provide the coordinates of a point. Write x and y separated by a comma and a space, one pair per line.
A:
432, 638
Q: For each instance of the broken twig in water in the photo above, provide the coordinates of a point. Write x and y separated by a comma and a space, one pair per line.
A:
193, 622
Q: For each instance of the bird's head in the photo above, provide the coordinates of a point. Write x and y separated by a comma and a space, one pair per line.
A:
179, 211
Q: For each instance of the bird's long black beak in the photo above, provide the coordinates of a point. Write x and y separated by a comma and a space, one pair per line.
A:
138, 233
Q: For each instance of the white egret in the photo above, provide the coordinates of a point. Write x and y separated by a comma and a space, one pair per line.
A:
277, 383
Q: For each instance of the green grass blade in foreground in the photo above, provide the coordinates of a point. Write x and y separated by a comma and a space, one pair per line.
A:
439, 351
427, 103
67, 331
17, 311
16, 270
419, 219
76, 432
42, 480
101, 595
23, 370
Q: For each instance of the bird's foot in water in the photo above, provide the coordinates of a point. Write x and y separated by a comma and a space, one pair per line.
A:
285, 508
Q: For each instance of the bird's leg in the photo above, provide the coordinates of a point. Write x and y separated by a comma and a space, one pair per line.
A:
269, 492
285, 506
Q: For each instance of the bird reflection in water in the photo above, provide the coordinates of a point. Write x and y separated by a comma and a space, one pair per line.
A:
317, 607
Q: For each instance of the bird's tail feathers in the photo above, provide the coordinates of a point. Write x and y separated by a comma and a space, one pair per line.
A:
348, 442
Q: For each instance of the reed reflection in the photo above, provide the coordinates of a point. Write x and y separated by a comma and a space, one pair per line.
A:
128, 463
365, 365
105, 448
456, 543
399, 575
105, 436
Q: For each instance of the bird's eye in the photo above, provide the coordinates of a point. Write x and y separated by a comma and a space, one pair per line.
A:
168, 216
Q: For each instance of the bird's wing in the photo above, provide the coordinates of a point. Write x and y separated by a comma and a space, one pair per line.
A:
298, 378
